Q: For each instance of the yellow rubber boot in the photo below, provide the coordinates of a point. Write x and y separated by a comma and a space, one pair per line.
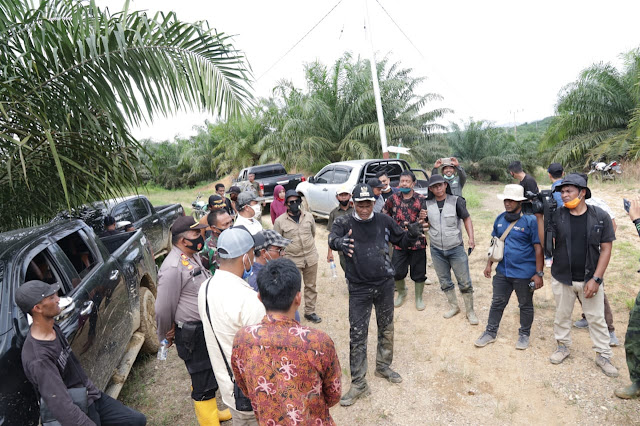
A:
224, 415
207, 412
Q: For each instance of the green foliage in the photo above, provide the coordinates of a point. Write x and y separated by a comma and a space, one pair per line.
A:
598, 115
75, 77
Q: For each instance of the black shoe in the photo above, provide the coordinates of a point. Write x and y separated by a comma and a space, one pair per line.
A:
313, 318
389, 374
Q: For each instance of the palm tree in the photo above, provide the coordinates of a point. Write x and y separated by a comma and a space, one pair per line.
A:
75, 78
597, 115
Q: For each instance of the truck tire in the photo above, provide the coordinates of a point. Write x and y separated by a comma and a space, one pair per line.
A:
148, 326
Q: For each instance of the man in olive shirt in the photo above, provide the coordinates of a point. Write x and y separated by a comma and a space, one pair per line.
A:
179, 281
344, 207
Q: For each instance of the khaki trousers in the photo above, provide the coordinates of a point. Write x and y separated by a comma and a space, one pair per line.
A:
309, 275
243, 418
593, 308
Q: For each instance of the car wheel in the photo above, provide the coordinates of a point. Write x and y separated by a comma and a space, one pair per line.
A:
148, 326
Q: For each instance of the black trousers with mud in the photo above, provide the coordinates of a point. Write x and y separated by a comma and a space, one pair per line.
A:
362, 297
632, 342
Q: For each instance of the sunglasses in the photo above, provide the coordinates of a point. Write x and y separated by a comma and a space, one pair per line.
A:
292, 202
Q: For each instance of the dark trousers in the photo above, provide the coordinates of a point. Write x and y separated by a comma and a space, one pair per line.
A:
632, 343
107, 411
192, 348
502, 289
362, 297
402, 260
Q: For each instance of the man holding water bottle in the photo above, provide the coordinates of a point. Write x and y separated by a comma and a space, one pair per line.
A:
363, 237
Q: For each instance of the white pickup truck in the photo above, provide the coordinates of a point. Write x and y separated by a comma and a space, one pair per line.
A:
319, 191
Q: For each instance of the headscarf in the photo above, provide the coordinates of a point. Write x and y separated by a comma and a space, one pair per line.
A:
277, 205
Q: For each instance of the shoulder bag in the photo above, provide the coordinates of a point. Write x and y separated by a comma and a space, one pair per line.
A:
496, 248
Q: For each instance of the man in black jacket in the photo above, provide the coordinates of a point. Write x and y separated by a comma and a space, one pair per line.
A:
52, 367
583, 237
364, 238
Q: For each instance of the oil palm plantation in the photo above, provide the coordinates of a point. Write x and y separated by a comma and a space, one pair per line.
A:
598, 115
75, 78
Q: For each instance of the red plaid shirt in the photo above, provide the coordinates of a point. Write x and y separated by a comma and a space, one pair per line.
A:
291, 373
406, 210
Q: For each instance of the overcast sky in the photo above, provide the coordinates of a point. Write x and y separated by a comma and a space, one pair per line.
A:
489, 59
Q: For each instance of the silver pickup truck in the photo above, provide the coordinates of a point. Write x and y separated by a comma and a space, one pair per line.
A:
319, 191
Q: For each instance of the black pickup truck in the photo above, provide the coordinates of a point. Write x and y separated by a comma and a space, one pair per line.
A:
108, 288
268, 176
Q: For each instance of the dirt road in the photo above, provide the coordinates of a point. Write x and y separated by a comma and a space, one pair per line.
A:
446, 379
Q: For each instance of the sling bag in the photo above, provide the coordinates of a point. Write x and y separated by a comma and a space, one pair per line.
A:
496, 248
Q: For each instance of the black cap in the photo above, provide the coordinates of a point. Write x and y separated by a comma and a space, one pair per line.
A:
31, 293
435, 179
291, 193
186, 223
363, 192
216, 202
109, 220
375, 183
575, 180
555, 168
234, 190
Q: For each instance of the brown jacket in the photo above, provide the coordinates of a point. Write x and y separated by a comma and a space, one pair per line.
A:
302, 250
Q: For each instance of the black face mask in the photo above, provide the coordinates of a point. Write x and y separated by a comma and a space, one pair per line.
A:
344, 203
295, 208
196, 243
512, 216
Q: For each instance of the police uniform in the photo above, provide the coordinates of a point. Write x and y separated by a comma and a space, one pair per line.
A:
179, 281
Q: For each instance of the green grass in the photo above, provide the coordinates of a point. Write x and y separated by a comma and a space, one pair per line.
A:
157, 195
472, 195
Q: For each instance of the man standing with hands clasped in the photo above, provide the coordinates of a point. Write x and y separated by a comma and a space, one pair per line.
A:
364, 238
583, 238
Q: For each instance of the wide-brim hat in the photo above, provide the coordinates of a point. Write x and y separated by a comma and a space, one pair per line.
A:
512, 192
575, 180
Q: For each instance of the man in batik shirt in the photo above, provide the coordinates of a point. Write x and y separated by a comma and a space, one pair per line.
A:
290, 373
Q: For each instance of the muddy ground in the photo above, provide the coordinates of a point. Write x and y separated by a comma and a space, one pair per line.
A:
446, 379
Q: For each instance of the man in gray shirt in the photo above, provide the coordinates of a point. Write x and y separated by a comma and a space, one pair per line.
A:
179, 280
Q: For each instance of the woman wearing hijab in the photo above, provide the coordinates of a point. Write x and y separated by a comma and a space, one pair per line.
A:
277, 205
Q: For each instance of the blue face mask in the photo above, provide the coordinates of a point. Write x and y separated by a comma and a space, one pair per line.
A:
246, 274
405, 190
449, 177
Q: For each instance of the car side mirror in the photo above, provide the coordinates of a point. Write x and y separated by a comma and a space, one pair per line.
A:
311, 179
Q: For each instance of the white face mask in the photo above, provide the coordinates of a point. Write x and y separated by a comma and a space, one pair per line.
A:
257, 211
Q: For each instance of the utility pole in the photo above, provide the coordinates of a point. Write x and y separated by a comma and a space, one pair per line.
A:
376, 85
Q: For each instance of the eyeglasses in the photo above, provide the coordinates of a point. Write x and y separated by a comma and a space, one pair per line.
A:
276, 250
292, 202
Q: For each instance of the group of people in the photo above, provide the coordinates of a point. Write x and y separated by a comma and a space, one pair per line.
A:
229, 291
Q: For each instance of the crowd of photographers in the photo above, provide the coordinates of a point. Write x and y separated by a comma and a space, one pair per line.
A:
271, 369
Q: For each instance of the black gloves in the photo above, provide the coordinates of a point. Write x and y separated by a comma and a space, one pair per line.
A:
414, 230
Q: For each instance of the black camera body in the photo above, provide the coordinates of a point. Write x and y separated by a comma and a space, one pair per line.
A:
543, 204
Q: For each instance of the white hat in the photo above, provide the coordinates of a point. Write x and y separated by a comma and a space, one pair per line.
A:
512, 192
344, 189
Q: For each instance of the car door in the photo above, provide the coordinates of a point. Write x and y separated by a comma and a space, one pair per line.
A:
319, 190
147, 219
340, 177
100, 323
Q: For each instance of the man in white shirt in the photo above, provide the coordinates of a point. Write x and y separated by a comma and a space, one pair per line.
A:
249, 212
232, 304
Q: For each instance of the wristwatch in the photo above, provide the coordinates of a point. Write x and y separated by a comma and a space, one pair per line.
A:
598, 280
540, 273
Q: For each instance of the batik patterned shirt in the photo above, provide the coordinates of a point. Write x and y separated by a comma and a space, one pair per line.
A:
402, 211
290, 373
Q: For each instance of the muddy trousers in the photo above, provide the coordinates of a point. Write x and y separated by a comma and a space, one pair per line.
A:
362, 297
192, 349
632, 342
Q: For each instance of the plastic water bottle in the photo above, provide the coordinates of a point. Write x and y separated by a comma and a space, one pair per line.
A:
334, 272
164, 348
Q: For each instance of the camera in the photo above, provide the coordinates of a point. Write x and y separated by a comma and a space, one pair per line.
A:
543, 204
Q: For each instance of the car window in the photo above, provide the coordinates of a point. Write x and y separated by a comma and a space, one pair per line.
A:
121, 212
269, 171
41, 267
78, 253
392, 169
341, 176
139, 208
325, 176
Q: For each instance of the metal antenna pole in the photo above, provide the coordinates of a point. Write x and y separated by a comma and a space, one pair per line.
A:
376, 85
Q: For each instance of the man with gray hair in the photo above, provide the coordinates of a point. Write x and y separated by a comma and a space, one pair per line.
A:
226, 304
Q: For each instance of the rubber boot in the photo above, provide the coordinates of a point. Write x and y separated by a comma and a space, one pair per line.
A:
402, 293
453, 302
419, 303
629, 392
468, 304
224, 415
207, 412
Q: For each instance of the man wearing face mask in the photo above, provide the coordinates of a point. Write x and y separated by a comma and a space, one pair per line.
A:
249, 212
377, 187
226, 304
218, 221
345, 207
583, 237
404, 207
452, 172
300, 227
387, 191
269, 245
177, 316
